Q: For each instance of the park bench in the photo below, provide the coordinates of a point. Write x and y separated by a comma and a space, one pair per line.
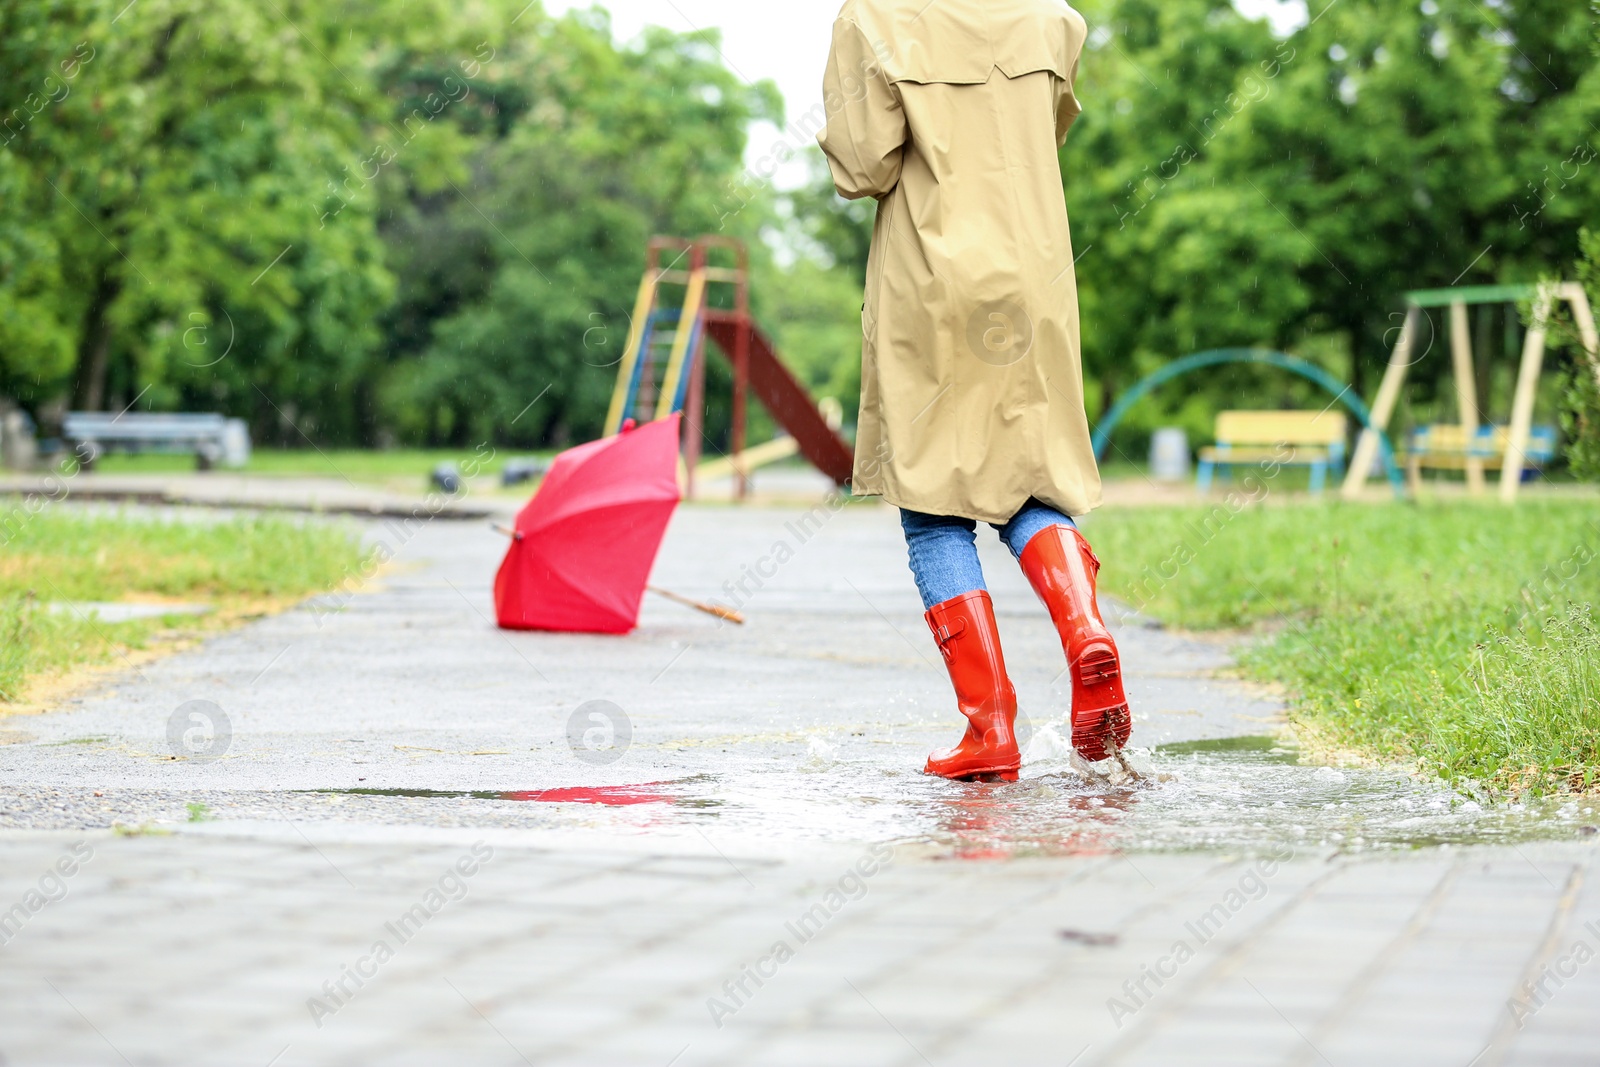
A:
1445, 447
1315, 439
213, 439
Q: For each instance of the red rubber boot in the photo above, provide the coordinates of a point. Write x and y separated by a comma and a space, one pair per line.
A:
1062, 568
969, 640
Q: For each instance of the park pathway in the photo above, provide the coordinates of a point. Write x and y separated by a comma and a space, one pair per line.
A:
396, 834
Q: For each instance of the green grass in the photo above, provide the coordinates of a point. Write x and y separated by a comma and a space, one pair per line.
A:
401, 471
1459, 636
65, 555
358, 465
34, 641
1118, 468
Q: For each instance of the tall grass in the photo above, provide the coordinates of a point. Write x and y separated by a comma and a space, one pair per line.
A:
1541, 700
1455, 635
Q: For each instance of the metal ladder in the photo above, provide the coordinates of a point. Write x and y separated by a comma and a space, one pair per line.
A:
657, 366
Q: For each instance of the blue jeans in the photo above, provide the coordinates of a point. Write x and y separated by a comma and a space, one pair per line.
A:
944, 553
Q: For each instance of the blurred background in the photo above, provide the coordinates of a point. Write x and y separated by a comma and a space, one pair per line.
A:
412, 224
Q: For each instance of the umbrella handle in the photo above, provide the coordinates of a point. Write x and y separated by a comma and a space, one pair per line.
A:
710, 609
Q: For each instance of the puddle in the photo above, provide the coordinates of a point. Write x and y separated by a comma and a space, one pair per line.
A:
1262, 749
1240, 794
616, 796
1243, 794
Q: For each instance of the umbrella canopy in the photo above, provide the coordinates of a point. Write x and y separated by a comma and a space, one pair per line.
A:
583, 547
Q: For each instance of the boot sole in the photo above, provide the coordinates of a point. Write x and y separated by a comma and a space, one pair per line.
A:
1090, 738
1096, 668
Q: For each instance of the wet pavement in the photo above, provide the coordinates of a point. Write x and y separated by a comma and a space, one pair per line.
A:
661, 806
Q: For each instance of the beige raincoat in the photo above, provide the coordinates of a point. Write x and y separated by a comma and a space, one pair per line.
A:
950, 112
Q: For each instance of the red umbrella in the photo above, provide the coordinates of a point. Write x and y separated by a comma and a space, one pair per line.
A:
583, 547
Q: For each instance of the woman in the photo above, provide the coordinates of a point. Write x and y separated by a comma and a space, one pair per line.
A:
950, 113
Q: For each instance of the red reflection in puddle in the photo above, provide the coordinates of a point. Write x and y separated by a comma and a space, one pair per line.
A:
611, 795
993, 821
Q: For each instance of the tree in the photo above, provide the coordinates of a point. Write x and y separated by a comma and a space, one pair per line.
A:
1156, 278
1580, 372
522, 344
166, 190
828, 228
1229, 188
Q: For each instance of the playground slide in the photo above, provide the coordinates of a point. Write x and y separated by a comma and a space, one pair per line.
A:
787, 400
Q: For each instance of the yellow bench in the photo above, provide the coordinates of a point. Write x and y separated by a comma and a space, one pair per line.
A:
1444, 446
1315, 439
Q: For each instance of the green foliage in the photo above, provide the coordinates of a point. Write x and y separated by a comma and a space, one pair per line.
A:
1457, 635
1581, 384
1227, 188
814, 315
180, 151
519, 290
384, 221
344, 218
812, 307
835, 230
1581, 421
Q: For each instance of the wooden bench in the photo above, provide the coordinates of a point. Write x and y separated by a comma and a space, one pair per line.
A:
1315, 439
1444, 446
212, 438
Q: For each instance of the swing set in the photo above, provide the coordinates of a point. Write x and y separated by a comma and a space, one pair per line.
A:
1479, 446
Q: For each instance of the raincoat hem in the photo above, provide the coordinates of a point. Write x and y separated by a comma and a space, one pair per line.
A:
1073, 508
